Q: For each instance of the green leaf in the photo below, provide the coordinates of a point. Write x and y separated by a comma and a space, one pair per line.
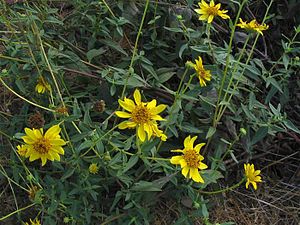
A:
211, 131
145, 186
131, 162
259, 135
94, 52
291, 126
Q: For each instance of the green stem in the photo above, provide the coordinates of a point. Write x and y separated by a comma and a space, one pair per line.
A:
223, 190
135, 49
17, 211
248, 60
209, 42
26, 100
227, 61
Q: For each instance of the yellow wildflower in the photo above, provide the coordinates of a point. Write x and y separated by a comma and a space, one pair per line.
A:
253, 25
34, 222
190, 161
44, 146
93, 168
252, 175
22, 149
203, 75
209, 11
42, 86
142, 116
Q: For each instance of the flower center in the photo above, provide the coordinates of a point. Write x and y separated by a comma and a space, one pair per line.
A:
212, 11
192, 158
141, 114
42, 146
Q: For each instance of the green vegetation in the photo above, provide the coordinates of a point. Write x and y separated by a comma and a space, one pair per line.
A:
147, 112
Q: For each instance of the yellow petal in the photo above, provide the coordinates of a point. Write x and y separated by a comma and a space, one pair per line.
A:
127, 105
44, 160
195, 175
185, 171
176, 160
202, 166
186, 141
122, 114
198, 147
148, 130
210, 18
254, 185
151, 104
52, 132
141, 133
158, 109
137, 97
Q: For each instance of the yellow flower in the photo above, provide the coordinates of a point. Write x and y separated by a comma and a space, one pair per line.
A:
93, 168
44, 146
253, 25
252, 175
203, 75
142, 116
22, 149
34, 222
190, 161
42, 86
209, 11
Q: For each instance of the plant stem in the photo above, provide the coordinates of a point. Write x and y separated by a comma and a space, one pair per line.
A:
223, 190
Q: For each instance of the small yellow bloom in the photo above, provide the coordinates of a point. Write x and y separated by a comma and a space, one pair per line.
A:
253, 25
22, 149
42, 86
34, 222
190, 161
252, 175
209, 11
44, 146
93, 168
203, 75
142, 116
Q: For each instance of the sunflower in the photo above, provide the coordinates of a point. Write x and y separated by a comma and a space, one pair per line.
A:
42, 86
203, 75
142, 116
209, 11
253, 26
190, 161
252, 175
43, 146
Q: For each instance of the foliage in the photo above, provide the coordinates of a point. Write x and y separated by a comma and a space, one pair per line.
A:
94, 53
